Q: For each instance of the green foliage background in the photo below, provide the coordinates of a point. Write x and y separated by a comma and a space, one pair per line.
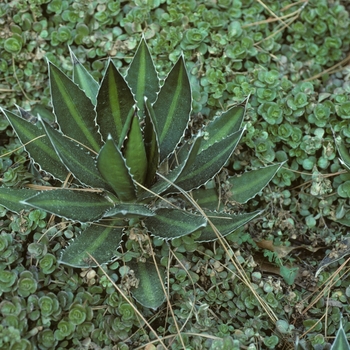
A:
233, 49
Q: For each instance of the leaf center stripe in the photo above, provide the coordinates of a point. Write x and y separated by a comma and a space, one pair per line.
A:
174, 104
77, 117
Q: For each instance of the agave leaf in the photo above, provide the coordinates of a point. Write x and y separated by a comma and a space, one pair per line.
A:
225, 223
208, 199
163, 184
11, 198
135, 152
126, 127
151, 144
84, 79
37, 145
74, 111
76, 159
192, 149
186, 162
188, 152
99, 241
249, 184
242, 188
208, 163
114, 102
129, 210
77, 205
149, 293
111, 164
343, 152
142, 76
172, 109
340, 342
222, 126
173, 223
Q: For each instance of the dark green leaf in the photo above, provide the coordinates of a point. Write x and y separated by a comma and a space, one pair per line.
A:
77, 205
208, 199
135, 152
151, 144
114, 102
149, 292
129, 210
11, 198
187, 153
112, 166
163, 184
38, 145
249, 184
142, 76
99, 241
173, 223
340, 342
76, 159
172, 109
84, 79
208, 163
74, 110
222, 126
126, 127
225, 223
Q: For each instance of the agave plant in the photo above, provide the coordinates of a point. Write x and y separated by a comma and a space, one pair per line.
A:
117, 148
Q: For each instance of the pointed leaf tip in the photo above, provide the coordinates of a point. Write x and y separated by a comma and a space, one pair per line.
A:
112, 166
142, 76
74, 110
172, 109
83, 78
114, 102
340, 342
100, 242
135, 152
76, 159
150, 291
173, 223
249, 184
39, 148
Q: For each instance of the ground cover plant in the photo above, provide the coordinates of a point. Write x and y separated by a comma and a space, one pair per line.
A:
290, 59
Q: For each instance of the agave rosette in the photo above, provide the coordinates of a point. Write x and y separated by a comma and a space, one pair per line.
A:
123, 143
